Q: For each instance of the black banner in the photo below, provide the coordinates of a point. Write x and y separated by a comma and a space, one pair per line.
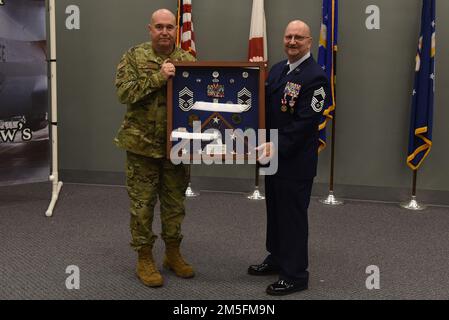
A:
24, 130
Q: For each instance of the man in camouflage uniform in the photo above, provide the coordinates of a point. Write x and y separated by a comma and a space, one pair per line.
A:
141, 84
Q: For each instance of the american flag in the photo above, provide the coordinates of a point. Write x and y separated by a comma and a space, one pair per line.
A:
186, 36
258, 32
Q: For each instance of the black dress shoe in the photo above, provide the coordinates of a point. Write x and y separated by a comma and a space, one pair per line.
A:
262, 269
282, 287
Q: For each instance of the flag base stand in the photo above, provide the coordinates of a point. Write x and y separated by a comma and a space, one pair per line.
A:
57, 185
256, 195
190, 193
330, 200
413, 205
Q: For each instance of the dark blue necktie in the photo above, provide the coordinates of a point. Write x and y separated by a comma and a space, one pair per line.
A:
285, 70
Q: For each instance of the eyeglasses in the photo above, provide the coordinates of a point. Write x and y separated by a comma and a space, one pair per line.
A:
295, 38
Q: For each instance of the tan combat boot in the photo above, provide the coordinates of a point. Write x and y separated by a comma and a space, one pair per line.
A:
147, 270
175, 262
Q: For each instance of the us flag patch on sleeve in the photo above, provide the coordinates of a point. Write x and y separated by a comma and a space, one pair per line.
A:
319, 97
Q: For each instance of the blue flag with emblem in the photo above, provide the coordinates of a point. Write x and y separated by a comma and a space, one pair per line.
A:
420, 136
326, 59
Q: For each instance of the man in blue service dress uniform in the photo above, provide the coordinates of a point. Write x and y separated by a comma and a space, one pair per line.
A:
295, 95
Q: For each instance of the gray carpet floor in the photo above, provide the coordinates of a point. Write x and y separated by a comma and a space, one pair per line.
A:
223, 234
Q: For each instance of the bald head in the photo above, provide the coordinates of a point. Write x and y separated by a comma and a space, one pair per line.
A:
163, 31
163, 13
299, 25
297, 40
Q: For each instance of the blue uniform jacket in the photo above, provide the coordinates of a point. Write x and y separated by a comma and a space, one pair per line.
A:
297, 129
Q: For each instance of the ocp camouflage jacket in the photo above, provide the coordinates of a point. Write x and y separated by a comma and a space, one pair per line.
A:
141, 86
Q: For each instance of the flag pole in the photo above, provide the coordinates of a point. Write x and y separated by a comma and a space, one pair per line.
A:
54, 177
190, 193
256, 194
331, 200
420, 135
257, 48
413, 204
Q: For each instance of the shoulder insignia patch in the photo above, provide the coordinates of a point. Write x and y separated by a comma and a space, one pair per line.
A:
319, 97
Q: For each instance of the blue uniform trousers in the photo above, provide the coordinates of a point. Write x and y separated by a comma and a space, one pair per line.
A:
287, 226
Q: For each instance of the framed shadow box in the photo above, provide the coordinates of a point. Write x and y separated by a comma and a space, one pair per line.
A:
214, 107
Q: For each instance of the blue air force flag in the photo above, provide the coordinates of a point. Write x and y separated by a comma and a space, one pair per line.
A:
420, 136
326, 59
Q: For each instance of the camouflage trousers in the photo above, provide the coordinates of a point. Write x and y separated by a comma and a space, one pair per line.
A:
146, 180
